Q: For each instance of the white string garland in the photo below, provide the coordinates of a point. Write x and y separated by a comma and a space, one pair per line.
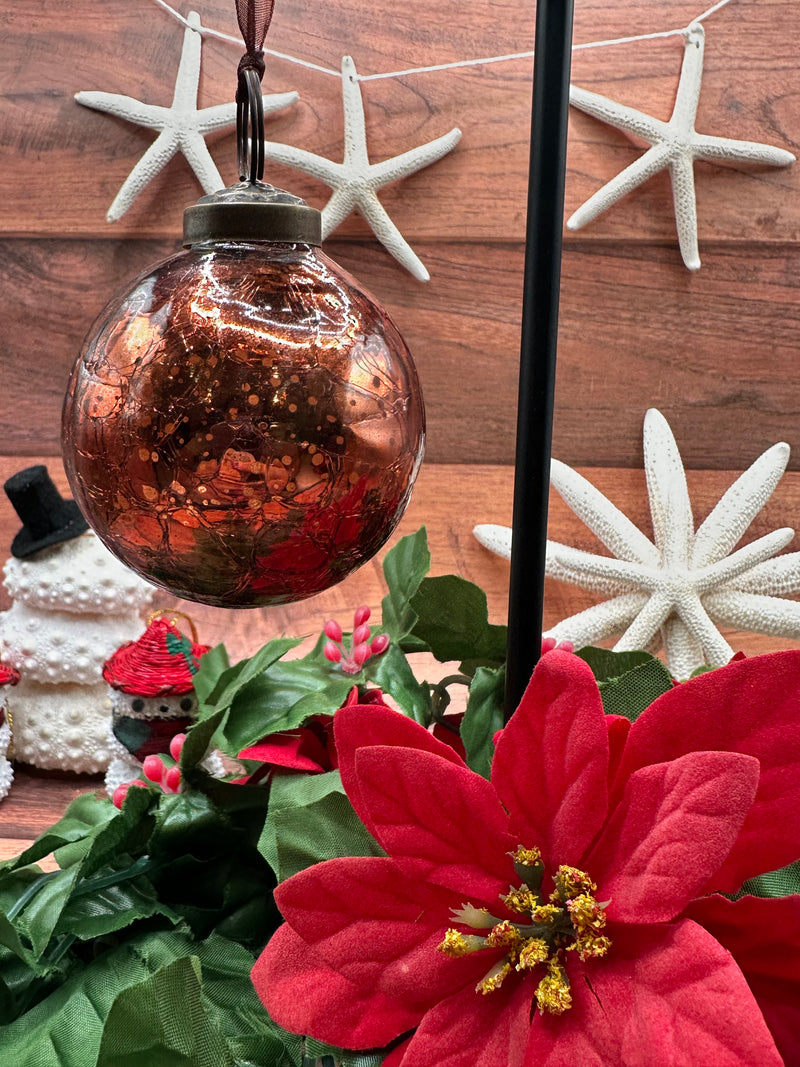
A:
680, 32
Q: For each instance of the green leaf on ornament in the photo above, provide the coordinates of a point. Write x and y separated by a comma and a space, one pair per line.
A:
453, 621
404, 567
628, 681
310, 819
212, 665
392, 673
163, 1020
781, 883
483, 718
181, 646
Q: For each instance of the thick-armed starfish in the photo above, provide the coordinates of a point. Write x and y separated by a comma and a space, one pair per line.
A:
674, 145
677, 589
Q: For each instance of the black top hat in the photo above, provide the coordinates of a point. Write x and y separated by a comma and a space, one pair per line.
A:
47, 517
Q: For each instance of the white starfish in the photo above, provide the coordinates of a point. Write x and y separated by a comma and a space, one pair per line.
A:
355, 181
676, 589
182, 126
675, 145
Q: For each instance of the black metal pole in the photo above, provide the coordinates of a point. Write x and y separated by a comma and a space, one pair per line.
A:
548, 165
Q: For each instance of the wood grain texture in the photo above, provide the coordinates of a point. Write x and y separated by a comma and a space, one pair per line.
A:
70, 161
712, 351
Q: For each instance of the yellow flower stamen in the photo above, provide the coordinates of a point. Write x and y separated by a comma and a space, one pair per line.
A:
552, 993
494, 979
570, 882
521, 900
504, 935
456, 944
572, 921
528, 857
535, 950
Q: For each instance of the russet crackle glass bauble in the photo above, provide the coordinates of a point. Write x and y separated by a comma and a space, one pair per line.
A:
244, 425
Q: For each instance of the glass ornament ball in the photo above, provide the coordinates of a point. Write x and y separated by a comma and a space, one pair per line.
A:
244, 425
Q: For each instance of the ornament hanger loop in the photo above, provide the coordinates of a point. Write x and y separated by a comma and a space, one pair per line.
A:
250, 127
172, 617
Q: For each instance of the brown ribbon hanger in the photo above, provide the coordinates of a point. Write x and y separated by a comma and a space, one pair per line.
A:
254, 17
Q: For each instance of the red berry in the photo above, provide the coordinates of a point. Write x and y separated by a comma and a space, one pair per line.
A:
176, 745
333, 630
332, 652
360, 634
153, 769
379, 644
361, 615
122, 791
172, 780
360, 653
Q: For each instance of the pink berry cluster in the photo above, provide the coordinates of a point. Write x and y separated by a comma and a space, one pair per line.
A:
168, 779
352, 659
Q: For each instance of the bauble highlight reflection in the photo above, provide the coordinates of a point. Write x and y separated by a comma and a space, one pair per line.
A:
244, 426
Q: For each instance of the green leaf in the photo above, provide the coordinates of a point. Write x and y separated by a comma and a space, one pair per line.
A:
392, 673
628, 681
404, 567
310, 819
282, 699
112, 901
483, 718
453, 620
782, 883
163, 1020
607, 666
212, 665
235, 678
80, 823
252, 1036
64, 1029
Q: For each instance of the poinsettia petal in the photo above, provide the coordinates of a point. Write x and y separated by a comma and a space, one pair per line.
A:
669, 996
550, 766
293, 751
618, 730
305, 996
380, 929
471, 1029
763, 935
395, 1057
437, 820
358, 725
748, 706
673, 828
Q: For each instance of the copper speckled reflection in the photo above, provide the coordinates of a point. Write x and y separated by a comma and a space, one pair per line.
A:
245, 425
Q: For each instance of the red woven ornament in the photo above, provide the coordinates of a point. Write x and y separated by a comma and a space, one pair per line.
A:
8, 676
162, 662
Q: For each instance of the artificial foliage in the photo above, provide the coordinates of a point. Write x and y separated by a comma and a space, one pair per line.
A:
361, 798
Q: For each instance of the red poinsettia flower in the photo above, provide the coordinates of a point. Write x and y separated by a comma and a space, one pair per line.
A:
560, 915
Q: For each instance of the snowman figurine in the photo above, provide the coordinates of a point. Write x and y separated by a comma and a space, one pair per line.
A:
152, 695
8, 676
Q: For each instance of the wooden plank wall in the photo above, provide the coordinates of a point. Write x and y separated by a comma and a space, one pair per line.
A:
716, 351
712, 350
